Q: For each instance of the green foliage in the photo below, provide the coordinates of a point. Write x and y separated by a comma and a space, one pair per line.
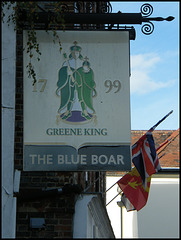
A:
32, 10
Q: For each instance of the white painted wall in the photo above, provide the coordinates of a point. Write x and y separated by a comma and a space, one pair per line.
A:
113, 209
130, 225
158, 219
8, 214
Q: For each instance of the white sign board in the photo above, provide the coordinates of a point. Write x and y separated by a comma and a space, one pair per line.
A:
81, 98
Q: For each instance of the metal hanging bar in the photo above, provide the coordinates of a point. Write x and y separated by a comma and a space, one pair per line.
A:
94, 18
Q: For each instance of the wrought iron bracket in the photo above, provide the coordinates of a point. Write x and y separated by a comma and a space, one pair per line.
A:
93, 21
147, 10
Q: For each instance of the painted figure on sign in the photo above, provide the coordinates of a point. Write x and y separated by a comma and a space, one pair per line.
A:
76, 87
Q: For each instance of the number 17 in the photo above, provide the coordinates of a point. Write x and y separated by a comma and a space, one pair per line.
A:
44, 81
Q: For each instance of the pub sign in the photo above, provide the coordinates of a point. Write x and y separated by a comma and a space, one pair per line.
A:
77, 114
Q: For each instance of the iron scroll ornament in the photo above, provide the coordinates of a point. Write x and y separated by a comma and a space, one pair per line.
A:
147, 28
147, 10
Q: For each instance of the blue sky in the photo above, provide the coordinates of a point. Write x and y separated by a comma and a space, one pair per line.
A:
154, 78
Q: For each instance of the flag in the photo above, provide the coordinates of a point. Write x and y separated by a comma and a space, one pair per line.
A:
145, 158
136, 184
133, 189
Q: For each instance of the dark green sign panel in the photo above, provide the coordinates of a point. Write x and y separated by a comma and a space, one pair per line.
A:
67, 158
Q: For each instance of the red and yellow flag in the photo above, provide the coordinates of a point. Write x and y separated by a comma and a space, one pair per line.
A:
132, 186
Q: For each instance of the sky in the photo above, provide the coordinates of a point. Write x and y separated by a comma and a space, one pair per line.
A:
154, 81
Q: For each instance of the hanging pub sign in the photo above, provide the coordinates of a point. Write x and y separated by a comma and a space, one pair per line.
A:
77, 114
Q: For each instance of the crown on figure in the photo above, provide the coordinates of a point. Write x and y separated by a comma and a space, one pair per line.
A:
75, 47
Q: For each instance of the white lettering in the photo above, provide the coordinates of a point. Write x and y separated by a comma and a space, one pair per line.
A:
112, 160
120, 159
83, 159
79, 159
42, 159
67, 160
103, 159
60, 159
94, 159
33, 158
49, 159
75, 160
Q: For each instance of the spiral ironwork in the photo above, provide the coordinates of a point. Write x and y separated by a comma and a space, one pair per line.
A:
146, 9
147, 28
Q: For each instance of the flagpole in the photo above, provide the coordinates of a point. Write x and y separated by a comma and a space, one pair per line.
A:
153, 128
111, 186
170, 140
163, 144
113, 198
162, 156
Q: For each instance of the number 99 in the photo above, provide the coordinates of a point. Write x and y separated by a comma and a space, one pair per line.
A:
116, 84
